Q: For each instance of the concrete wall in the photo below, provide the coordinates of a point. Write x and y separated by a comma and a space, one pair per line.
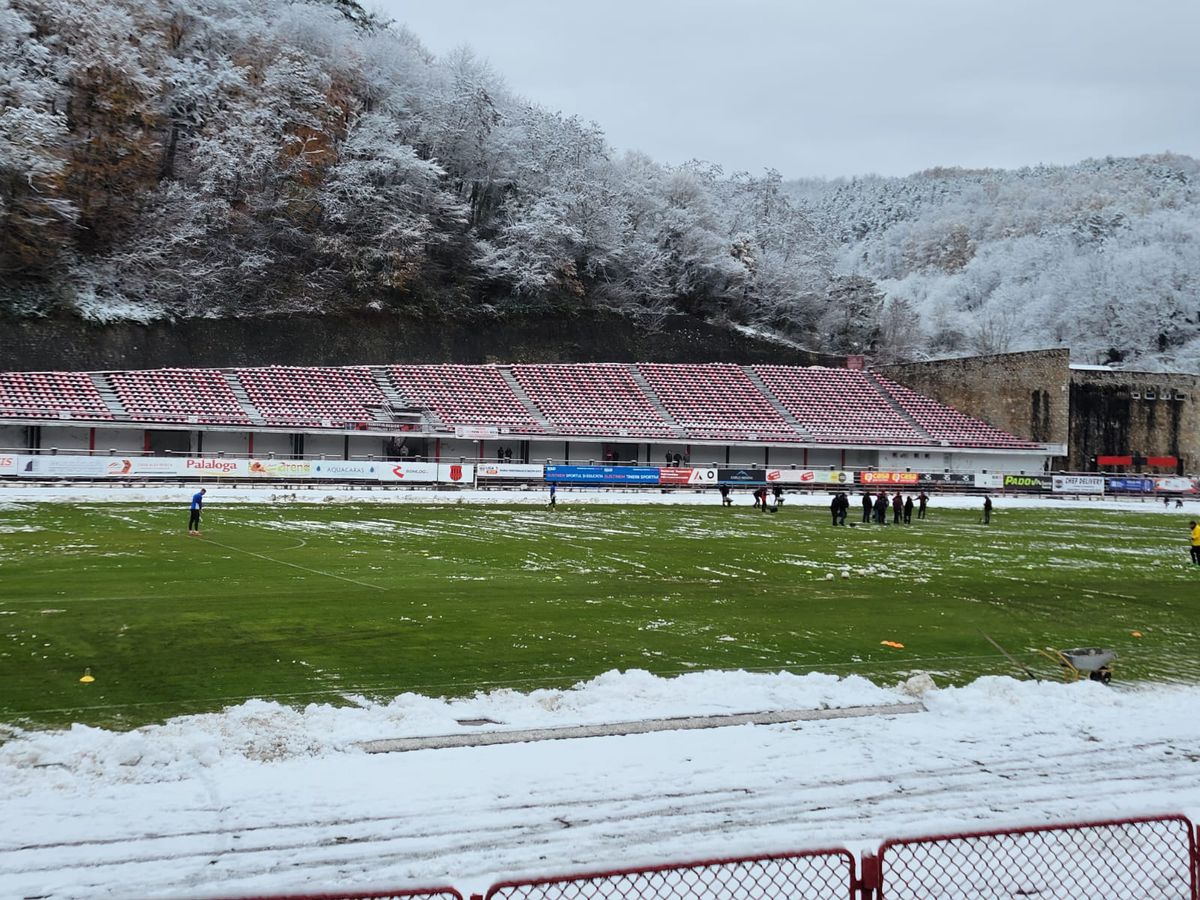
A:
125, 440
1112, 414
268, 442
74, 439
331, 445
231, 442
13, 437
1026, 394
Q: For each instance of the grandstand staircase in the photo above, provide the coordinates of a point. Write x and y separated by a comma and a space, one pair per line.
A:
396, 402
243, 399
775, 404
109, 395
644, 385
903, 413
515, 386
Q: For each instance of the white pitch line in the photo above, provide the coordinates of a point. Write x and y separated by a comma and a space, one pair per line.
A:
373, 587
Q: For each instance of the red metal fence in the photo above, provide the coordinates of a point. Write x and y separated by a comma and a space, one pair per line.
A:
1121, 859
1154, 859
807, 875
440, 893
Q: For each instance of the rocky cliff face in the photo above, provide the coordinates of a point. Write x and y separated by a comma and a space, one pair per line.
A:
376, 339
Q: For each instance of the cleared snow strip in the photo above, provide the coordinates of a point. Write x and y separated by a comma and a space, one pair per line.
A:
647, 726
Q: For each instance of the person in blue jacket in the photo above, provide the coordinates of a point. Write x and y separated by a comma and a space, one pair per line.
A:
194, 519
553, 493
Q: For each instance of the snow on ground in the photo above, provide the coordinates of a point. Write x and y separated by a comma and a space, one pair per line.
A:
11, 492
262, 798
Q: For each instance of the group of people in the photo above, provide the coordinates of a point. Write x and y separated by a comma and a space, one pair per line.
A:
875, 508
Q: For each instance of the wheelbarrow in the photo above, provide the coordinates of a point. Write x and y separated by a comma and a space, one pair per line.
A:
1092, 662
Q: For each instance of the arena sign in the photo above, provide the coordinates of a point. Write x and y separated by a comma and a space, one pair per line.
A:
218, 468
476, 432
939, 478
681, 476
809, 476
888, 478
747, 475
603, 474
1176, 485
342, 469
509, 470
1133, 485
1078, 484
1027, 482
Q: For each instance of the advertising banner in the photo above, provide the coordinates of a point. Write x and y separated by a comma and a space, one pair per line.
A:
809, 476
509, 470
348, 469
216, 468
476, 432
456, 473
8, 464
1028, 483
888, 478
1175, 485
747, 475
67, 466
988, 480
695, 477
934, 479
1139, 485
674, 475
1078, 484
603, 474
280, 468
409, 472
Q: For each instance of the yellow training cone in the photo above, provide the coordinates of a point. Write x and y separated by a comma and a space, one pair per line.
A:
1136, 633
896, 644
87, 677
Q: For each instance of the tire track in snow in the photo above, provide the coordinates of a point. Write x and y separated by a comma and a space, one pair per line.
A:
1056, 780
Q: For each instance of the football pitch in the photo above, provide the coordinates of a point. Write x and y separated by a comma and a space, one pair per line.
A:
326, 603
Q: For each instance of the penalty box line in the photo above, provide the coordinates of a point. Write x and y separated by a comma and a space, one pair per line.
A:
281, 562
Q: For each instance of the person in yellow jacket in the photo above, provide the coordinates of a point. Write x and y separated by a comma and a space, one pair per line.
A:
1195, 542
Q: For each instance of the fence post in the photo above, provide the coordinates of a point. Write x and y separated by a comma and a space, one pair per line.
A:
870, 881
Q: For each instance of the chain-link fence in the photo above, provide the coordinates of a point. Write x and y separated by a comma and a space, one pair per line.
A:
440, 893
1127, 859
813, 875
1133, 859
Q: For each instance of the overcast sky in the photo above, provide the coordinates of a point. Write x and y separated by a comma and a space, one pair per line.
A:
846, 87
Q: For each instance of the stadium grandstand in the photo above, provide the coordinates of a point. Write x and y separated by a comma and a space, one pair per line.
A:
603, 413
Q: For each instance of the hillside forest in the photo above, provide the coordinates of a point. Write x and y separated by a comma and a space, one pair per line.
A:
172, 159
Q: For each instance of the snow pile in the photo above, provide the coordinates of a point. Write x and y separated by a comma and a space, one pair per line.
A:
264, 799
263, 732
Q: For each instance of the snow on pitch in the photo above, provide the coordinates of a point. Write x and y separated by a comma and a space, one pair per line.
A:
265, 798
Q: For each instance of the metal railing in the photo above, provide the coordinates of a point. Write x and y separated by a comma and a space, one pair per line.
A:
1144, 858
1122, 859
809, 874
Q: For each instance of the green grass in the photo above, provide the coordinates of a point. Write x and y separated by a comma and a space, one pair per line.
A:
306, 603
